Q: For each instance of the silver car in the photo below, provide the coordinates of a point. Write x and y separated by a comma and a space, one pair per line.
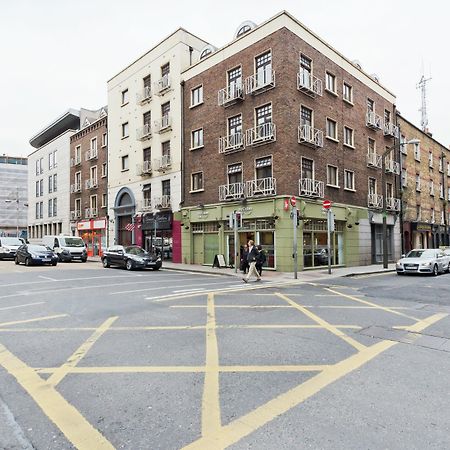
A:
432, 261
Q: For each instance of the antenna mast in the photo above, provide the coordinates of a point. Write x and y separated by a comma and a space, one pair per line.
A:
422, 85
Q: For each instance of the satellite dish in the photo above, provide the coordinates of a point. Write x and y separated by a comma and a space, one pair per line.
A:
357, 64
375, 77
243, 28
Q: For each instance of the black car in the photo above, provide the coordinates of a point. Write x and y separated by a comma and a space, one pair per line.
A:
31, 254
130, 257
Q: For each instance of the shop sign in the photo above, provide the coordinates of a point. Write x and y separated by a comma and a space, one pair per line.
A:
423, 227
99, 224
85, 225
246, 210
162, 221
203, 214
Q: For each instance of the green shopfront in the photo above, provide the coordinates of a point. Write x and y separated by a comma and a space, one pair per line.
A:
206, 232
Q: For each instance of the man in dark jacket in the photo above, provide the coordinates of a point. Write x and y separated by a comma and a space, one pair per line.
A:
251, 258
260, 259
244, 262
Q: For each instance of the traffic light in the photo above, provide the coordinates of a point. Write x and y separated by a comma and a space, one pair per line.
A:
238, 218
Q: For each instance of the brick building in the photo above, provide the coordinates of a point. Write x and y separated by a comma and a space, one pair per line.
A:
88, 180
425, 188
284, 114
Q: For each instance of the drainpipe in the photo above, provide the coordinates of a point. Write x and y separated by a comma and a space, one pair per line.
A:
401, 214
182, 142
190, 55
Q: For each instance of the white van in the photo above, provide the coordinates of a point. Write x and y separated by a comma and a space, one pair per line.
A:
68, 248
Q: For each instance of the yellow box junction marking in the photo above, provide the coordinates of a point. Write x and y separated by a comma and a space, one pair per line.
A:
37, 319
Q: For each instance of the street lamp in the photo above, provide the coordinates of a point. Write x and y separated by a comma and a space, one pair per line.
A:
16, 200
383, 187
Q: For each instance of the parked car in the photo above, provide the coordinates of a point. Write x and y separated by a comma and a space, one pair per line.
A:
68, 248
433, 261
9, 246
131, 257
31, 254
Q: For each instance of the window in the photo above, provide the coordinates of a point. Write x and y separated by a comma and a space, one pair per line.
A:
235, 127
306, 116
448, 169
147, 119
37, 188
125, 163
94, 144
37, 167
93, 174
331, 129
418, 213
93, 203
55, 164
430, 159
77, 154
307, 168
55, 207
431, 186
370, 105
441, 164
417, 151
78, 180
234, 80
50, 184
147, 82
124, 97
371, 148
389, 190
432, 216
349, 180
332, 176
197, 181
404, 178
263, 167
330, 82
441, 190
234, 173
403, 146
78, 207
104, 170
55, 182
165, 70
41, 210
147, 194
417, 182
347, 93
263, 65
165, 185
348, 137
372, 186
50, 161
104, 200
104, 139
197, 138
305, 70
125, 130
387, 116
165, 148
41, 187
50, 208
37, 211
197, 96
263, 121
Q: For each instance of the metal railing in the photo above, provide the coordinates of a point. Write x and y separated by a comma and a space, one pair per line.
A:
309, 84
74, 215
309, 187
374, 160
145, 95
392, 166
261, 134
310, 136
163, 163
390, 129
260, 81
375, 201
163, 124
393, 204
144, 132
146, 204
231, 143
91, 154
162, 202
144, 169
75, 188
261, 187
374, 120
90, 212
91, 183
75, 161
231, 191
162, 84
230, 94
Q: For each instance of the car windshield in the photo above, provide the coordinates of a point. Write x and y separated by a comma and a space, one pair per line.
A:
421, 254
38, 248
138, 251
10, 241
73, 242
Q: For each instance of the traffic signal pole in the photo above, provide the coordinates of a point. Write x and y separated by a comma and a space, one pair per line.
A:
294, 246
329, 219
236, 252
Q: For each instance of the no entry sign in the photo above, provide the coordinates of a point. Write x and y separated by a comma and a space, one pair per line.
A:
293, 201
326, 204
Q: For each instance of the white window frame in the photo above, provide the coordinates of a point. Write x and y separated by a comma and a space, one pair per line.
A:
192, 182
418, 183
104, 170
417, 151
335, 137
337, 176
124, 97
200, 144
104, 139
347, 100
199, 101
403, 145
122, 159
104, 200
346, 188
352, 144
125, 130
330, 76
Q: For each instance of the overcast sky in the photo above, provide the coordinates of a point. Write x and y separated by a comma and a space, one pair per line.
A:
59, 54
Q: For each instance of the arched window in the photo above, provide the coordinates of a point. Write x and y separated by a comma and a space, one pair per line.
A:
125, 199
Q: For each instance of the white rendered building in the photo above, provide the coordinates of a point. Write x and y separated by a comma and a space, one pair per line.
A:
49, 177
144, 143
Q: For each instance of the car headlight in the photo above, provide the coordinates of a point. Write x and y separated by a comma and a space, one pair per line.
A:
33, 255
66, 252
158, 259
426, 264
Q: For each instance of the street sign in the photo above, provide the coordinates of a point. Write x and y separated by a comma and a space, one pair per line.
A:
286, 204
293, 201
326, 204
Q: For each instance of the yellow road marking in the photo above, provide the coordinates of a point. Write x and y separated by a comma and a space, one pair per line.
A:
37, 319
352, 297
232, 306
289, 306
80, 353
425, 323
323, 323
211, 422
21, 306
72, 424
243, 426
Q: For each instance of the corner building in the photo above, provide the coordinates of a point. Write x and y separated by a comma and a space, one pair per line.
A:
284, 114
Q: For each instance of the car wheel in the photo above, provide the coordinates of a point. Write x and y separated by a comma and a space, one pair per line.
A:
27, 262
435, 270
400, 273
84, 260
16, 260
105, 263
129, 265
54, 263
156, 268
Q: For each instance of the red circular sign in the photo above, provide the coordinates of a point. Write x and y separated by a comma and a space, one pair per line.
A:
293, 201
326, 204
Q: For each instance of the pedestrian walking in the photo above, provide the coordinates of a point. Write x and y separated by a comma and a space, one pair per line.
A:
260, 259
244, 263
251, 259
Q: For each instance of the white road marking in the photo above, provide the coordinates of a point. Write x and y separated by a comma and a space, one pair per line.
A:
47, 278
22, 306
190, 290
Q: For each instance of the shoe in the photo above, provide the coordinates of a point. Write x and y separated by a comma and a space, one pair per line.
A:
258, 279
245, 280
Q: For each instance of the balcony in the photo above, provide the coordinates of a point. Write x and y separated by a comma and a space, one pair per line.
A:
260, 81
230, 95
309, 84
164, 124
374, 121
162, 202
91, 183
261, 134
374, 160
91, 154
307, 187
74, 215
392, 166
146, 204
144, 96
144, 169
231, 143
261, 187
393, 204
162, 85
233, 191
144, 132
310, 136
75, 188
75, 161
390, 129
375, 201
90, 213
162, 164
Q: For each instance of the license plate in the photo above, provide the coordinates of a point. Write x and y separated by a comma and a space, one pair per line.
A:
46, 260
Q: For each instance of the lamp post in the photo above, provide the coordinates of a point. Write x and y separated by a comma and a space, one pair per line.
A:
16, 200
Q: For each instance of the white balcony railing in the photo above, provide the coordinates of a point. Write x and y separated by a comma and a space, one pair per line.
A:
162, 202
261, 81
261, 134
375, 201
89, 213
392, 166
163, 124
163, 163
310, 136
230, 94
75, 188
162, 85
146, 204
309, 84
231, 191
74, 215
145, 95
75, 161
144, 132
91, 183
307, 187
393, 204
390, 129
374, 120
231, 143
261, 187
91, 154
374, 160
144, 169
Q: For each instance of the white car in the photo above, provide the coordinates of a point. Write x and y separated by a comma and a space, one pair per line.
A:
433, 261
9, 246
